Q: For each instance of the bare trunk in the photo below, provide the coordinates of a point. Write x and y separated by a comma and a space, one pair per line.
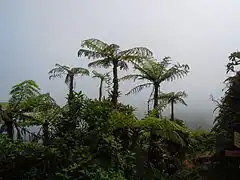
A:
100, 90
10, 130
8, 122
172, 110
156, 88
148, 106
70, 102
115, 83
45, 133
155, 98
71, 87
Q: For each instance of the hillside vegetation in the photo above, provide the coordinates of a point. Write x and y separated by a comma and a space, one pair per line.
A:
101, 138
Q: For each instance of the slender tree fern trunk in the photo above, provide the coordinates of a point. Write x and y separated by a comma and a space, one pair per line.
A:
45, 133
100, 90
148, 106
172, 110
71, 87
10, 130
115, 83
155, 97
70, 103
9, 124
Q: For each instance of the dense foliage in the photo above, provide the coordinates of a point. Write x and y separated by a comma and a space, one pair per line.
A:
102, 138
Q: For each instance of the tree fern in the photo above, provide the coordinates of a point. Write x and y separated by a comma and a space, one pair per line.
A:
69, 73
155, 73
106, 55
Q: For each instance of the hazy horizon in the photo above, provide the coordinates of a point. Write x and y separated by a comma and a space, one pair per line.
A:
35, 35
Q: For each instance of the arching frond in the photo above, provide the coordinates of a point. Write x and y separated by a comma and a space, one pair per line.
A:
111, 50
89, 54
139, 88
132, 77
94, 44
106, 63
41, 102
177, 71
66, 68
22, 92
68, 72
137, 52
166, 129
181, 94
95, 49
174, 97
145, 69
53, 76
182, 101
25, 86
103, 76
80, 71
158, 72
97, 74
58, 72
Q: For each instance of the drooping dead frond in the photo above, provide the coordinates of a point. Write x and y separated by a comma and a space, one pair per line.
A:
123, 65
182, 101
67, 79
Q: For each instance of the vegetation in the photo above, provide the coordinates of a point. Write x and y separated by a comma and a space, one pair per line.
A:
103, 78
59, 71
107, 55
102, 139
156, 73
173, 98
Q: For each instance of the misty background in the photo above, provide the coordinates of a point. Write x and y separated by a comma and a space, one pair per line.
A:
35, 35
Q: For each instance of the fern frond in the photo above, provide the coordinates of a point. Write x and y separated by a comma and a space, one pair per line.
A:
80, 71
106, 63
131, 77
94, 44
177, 71
137, 51
166, 129
139, 88
58, 71
89, 54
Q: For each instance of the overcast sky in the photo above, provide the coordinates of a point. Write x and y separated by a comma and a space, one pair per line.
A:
34, 35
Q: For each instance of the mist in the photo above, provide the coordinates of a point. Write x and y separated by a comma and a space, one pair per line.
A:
35, 35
